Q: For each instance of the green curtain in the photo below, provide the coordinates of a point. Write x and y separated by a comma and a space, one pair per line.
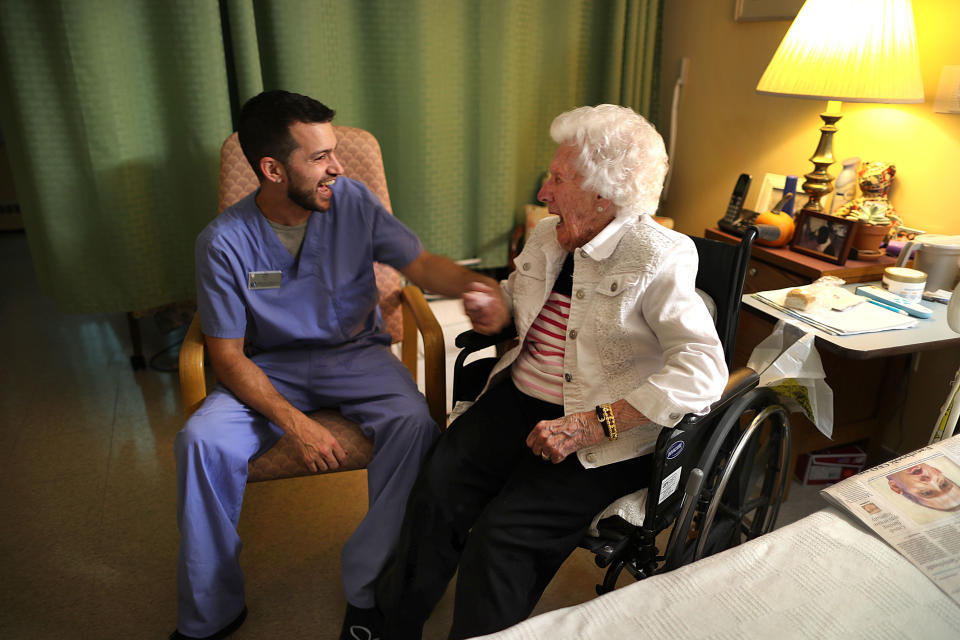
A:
114, 111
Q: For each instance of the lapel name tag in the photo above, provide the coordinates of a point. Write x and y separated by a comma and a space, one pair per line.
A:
263, 279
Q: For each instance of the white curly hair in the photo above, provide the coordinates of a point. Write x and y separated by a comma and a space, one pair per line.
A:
621, 156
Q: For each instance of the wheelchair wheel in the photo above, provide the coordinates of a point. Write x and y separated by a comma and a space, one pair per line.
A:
744, 469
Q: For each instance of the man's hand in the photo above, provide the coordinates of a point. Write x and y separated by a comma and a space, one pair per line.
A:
554, 440
482, 297
486, 308
320, 450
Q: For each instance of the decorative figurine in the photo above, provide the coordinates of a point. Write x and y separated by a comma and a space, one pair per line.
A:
873, 212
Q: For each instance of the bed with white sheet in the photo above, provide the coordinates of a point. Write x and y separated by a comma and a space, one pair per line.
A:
821, 577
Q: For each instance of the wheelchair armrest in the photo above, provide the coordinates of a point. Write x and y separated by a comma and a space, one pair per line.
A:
469, 379
473, 341
740, 381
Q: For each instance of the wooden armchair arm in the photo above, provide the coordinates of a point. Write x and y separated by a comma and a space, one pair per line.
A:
193, 381
418, 317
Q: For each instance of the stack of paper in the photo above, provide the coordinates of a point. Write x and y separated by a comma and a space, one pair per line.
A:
861, 318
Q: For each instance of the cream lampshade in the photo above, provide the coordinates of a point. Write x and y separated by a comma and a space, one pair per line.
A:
845, 50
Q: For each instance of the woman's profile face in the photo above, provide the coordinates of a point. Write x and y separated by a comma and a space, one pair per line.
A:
927, 484
562, 193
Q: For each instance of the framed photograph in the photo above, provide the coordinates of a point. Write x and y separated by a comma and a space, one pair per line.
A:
754, 10
823, 236
771, 190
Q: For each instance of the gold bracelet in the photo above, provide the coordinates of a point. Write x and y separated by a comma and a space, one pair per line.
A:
607, 421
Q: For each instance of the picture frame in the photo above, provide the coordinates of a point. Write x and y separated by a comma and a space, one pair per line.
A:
823, 236
771, 190
756, 10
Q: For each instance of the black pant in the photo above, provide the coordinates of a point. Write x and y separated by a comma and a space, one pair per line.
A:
509, 518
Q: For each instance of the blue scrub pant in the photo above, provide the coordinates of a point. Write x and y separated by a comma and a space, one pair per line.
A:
371, 387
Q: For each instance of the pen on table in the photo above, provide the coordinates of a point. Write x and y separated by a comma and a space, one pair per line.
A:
888, 307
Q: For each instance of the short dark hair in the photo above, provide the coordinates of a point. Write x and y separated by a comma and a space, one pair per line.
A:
265, 121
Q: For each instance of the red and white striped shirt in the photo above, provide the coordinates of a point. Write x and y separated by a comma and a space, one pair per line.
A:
538, 369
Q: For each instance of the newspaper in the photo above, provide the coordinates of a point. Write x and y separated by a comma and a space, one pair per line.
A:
913, 503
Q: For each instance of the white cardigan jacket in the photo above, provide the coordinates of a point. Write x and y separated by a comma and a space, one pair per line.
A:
637, 329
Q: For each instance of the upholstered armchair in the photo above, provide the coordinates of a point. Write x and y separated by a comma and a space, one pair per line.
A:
405, 313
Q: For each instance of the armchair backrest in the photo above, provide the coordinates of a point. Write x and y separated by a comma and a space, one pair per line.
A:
359, 153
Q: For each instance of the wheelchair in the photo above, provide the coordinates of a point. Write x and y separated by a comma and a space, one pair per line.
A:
731, 462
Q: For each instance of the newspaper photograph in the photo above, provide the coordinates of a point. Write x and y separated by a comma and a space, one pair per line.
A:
913, 503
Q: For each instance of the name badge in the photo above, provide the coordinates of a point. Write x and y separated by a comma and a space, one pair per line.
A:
263, 279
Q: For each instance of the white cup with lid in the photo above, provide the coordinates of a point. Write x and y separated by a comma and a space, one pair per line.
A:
903, 282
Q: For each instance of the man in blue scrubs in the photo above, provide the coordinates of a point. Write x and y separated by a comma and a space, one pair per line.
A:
287, 300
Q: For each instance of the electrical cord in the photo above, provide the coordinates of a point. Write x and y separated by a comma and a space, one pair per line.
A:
166, 360
157, 365
674, 111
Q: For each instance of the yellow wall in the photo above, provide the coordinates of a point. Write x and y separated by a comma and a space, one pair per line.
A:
726, 128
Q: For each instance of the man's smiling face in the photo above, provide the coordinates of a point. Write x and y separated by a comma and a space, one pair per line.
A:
312, 167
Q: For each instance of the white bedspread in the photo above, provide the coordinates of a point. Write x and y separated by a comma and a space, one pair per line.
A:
821, 577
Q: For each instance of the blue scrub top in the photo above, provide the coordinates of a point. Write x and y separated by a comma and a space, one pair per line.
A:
325, 298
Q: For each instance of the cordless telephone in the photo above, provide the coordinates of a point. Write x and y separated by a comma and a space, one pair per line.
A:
732, 221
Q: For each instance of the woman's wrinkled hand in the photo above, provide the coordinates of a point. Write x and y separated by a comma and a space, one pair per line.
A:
554, 440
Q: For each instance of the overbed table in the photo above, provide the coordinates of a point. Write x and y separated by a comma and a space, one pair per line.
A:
930, 333
884, 355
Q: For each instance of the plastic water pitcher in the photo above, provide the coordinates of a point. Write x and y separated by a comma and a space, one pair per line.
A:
938, 256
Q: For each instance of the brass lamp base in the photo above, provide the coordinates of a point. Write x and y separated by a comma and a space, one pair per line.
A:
818, 182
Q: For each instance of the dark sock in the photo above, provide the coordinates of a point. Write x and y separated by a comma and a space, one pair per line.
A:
219, 635
361, 624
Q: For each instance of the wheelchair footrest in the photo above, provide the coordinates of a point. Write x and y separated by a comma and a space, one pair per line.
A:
615, 536
606, 550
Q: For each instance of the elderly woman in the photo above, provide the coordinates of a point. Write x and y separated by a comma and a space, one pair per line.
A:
614, 343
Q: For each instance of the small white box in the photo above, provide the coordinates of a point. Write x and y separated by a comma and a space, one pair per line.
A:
830, 465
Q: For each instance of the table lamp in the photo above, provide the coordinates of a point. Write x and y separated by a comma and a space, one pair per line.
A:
845, 50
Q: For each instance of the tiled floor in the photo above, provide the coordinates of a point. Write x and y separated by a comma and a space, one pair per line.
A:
87, 492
